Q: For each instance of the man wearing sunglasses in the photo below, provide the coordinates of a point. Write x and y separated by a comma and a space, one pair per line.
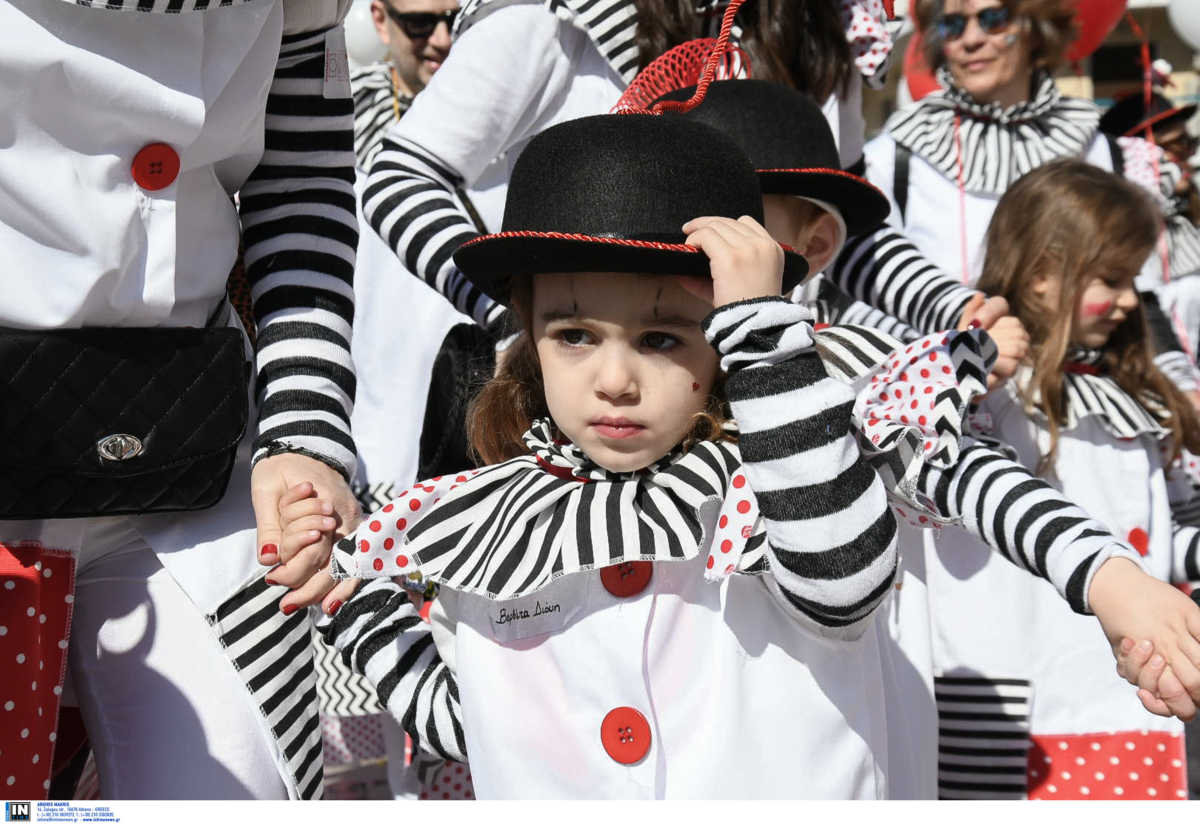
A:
417, 36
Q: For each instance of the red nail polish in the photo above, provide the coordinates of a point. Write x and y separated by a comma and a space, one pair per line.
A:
289, 609
271, 582
695, 386
269, 549
974, 324
334, 607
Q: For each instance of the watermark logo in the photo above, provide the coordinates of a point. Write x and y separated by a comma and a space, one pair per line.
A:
17, 810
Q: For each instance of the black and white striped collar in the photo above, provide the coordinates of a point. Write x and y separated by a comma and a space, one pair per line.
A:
377, 104
998, 144
1099, 396
554, 512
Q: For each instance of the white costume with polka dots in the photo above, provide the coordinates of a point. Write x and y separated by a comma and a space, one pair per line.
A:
1028, 698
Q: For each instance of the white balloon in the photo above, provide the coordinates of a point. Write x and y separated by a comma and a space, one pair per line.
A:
362, 42
1185, 18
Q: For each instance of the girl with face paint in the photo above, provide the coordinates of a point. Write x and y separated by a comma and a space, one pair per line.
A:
1090, 413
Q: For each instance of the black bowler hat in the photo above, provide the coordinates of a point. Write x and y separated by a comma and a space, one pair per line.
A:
611, 193
788, 140
1130, 115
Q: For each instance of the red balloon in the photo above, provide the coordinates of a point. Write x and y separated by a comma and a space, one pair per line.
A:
1096, 19
916, 71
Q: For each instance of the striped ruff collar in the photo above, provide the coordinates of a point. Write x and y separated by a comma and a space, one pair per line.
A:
1097, 395
509, 530
611, 24
375, 109
999, 144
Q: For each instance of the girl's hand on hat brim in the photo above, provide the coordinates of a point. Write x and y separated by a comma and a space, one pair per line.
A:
744, 259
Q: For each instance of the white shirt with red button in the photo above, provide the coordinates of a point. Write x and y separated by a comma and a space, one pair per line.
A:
672, 689
1012, 657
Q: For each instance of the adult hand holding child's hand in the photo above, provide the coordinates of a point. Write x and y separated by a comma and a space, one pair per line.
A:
1165, 662
746, 262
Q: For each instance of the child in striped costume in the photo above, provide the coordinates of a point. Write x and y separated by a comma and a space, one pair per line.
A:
811, 205
1090, 413
635, 604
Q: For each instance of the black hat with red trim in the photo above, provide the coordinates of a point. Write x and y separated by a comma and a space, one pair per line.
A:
1130, 115
788, 139
610, 193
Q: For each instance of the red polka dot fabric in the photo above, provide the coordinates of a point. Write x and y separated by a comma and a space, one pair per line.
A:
735, 526
352, 739
916, 403
381, 544
870, 42
451, 782
1142, 766
36, 596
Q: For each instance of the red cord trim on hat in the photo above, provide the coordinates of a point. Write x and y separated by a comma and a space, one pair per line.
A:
822, 171
613, 241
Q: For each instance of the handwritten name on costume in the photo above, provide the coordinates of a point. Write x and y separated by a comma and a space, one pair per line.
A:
507, 616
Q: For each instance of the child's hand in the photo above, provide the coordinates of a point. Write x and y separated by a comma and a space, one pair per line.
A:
1133, 605
308, 532
1159, 689
1012, 341
746, 262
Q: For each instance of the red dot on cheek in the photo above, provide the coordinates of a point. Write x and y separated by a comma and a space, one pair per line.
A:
695, 386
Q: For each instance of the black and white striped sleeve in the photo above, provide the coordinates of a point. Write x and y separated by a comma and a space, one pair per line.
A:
1022, 517
300, 233
831, 538
1185, 556
381, 636
410, 201
885, 270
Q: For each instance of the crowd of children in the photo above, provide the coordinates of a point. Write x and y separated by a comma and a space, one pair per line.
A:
758, 501
722, 543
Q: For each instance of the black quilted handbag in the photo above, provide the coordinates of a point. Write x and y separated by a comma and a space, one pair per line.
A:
118, 421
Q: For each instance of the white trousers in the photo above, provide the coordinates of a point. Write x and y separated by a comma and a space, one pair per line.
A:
165, 711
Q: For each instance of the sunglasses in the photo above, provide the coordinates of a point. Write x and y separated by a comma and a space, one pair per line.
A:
417, 25
992, 20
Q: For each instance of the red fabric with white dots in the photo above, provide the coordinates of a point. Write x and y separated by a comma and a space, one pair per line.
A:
452, 782
36, 596
1108, 766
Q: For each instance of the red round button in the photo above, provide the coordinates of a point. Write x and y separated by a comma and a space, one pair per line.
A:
1140, 540
155, 167
627, 579
625, 734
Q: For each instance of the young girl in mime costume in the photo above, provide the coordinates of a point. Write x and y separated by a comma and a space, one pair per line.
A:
809, 205
627, 539
1088, 411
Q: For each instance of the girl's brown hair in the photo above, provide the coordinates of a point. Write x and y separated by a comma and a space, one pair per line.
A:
798, 43
503, 410
1053, 28
1071, 221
